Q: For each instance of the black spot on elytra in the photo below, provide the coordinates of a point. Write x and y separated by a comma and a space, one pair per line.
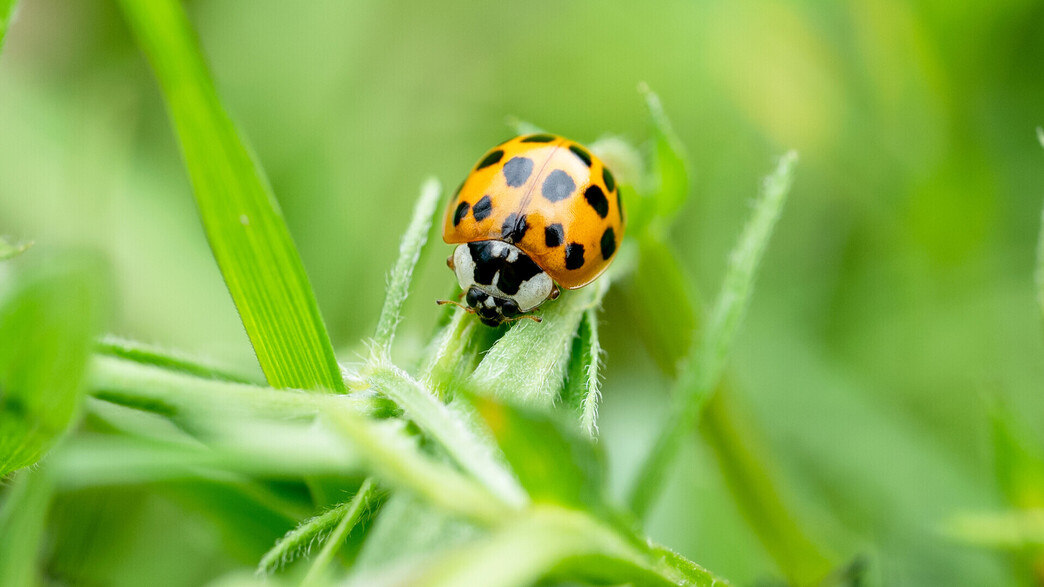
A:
574, 256
610, 181
542, 138
482, 208
581, 153
517, 170
460, 213
554, 235
608, 243
558, 186
514, 228
596, 197
513, 274
490, 159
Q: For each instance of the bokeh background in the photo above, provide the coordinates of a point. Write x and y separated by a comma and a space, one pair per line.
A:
896, 302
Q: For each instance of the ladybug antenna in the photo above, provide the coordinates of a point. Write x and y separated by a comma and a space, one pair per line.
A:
468, 309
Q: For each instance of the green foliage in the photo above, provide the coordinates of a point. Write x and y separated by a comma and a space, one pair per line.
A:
244, 225
48, 317
22, 521
8, 250
7, 14
670, 163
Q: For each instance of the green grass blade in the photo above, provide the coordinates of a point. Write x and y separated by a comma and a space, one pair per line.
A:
244, 225
47, 321
583, 390
350, 516
399, 283
7, 14
22, 520
706, 366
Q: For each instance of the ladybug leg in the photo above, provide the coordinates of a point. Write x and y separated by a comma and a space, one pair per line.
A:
450, 263
523, 317
554, 293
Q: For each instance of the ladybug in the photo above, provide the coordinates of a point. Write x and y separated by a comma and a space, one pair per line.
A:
536, 213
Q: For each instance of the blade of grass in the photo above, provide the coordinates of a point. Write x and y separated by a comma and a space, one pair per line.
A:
583, 386
350, 516
7, 14
399, 283
705, 367
244, 225
22, 520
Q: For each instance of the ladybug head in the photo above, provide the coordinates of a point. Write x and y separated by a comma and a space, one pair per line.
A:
500, 281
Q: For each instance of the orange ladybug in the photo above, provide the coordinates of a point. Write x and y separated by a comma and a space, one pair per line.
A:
537, 212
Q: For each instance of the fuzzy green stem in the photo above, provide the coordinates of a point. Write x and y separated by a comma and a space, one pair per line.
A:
356, 508
399, 283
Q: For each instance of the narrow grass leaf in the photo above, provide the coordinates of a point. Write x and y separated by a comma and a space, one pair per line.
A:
47, 321
350, 516
670, 166
399, 283
145, 354
703, 371
23, 517
7, 15
244, 225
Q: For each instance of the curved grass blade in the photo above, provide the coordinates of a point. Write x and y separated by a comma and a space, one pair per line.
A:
670, 167
145, 354
705, 367
350, 516
583, 389
244, 225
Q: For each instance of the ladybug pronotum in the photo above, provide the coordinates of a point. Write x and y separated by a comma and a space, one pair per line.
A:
537, 212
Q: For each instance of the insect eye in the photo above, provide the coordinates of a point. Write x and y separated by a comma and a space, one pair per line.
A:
475, 297
509, 309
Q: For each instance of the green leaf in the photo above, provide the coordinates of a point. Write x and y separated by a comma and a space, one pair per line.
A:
528, 364
399, 283
244, 225
667, 335
583, 391
7, 15
704, 368
22, 520
9, 251
47, 320
554, 463
350, 516
299, 542
144, 354
670, 167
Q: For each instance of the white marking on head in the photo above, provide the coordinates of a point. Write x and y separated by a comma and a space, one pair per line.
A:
531, 292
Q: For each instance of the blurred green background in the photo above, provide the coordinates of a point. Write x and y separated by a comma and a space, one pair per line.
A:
896, 301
